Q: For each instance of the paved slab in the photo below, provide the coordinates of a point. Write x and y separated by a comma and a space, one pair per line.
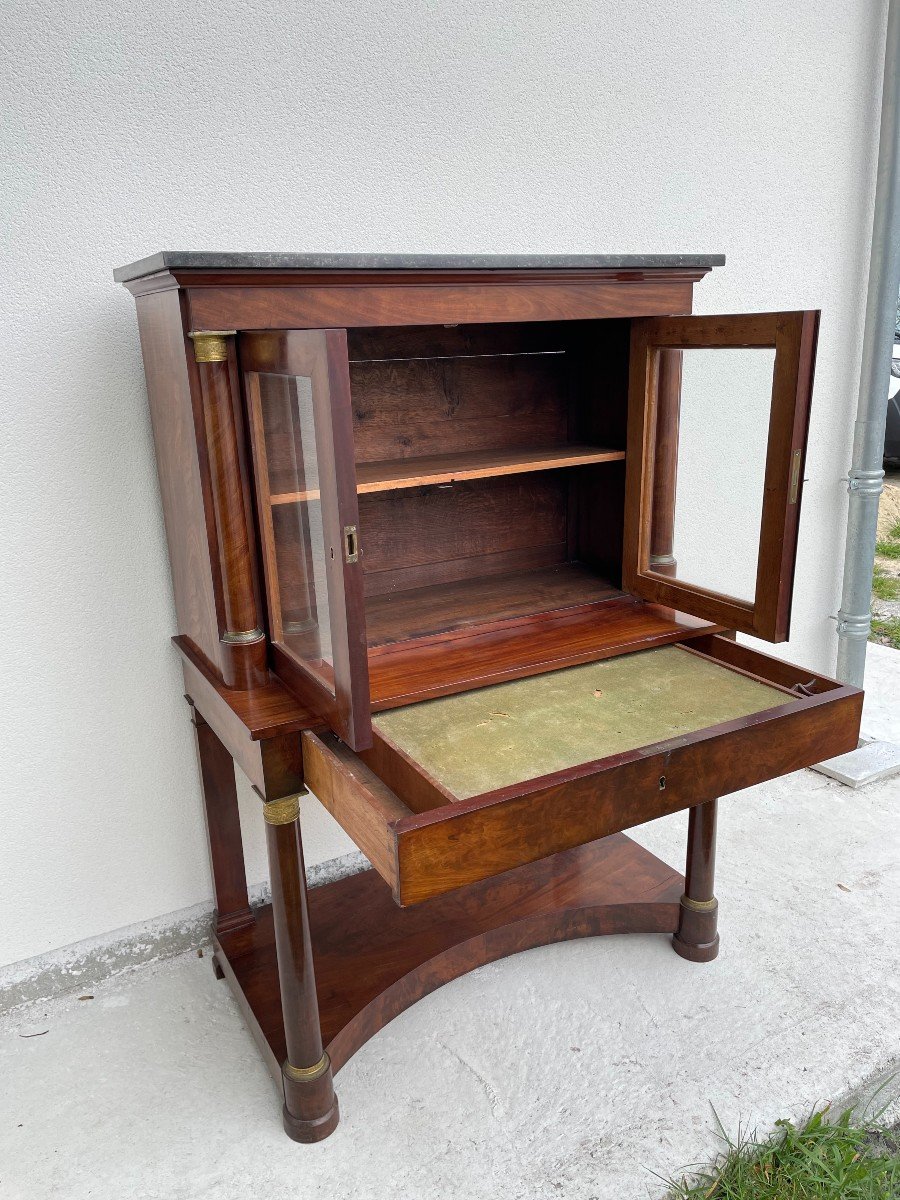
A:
575, 1070
868, 763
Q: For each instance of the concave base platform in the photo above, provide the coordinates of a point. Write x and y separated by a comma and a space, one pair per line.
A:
373, 960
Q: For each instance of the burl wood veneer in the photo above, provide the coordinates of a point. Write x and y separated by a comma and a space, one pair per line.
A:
424, 533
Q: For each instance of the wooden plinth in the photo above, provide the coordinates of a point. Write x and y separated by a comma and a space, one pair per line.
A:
373, 960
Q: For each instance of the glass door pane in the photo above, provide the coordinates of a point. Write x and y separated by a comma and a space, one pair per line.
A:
300, 616
724, 477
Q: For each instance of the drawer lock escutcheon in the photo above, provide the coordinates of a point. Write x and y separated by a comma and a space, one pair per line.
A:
351, 544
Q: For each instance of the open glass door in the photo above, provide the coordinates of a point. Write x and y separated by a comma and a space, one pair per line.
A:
297, 385
717, 425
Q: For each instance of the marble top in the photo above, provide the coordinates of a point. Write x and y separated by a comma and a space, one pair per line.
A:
214, 260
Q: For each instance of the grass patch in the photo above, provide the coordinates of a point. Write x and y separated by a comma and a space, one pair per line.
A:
884, 586
887, 548
887, 632
820, 1160
894, 532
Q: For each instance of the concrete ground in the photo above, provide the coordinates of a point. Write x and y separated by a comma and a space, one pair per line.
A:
575, 1070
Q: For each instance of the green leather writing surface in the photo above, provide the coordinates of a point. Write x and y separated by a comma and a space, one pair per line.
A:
490, 738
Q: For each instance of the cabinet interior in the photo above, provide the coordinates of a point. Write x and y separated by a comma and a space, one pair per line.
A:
490, 472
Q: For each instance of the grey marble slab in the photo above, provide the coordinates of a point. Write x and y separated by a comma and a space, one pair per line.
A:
214, 260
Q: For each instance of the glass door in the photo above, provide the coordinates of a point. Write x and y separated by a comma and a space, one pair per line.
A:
717, 426
297, 385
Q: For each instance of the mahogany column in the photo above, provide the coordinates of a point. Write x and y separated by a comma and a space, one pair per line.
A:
243, 641
696, 937
665, 462
223, 828
310, 1106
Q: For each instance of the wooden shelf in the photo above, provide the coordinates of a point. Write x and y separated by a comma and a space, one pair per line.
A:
398, 473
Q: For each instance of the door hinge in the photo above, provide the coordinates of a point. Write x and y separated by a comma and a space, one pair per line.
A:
351, 544
795, 476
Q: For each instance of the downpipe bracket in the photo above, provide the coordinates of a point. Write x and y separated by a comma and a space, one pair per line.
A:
865, 483
854, 625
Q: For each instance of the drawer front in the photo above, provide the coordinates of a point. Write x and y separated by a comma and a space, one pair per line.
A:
425, 853
441, 850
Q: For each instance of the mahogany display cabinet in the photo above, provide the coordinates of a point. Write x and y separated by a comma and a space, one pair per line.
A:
460, 545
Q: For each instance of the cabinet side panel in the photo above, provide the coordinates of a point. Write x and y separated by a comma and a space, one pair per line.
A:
190, 532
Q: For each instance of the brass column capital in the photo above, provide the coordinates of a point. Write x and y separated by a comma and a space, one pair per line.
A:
282, 812
211, 345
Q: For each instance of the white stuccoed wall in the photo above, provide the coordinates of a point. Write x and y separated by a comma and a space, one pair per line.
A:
341, 126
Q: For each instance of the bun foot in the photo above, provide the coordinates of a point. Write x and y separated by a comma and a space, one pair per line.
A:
300, 1129
696, 938
310, 1112
705, 952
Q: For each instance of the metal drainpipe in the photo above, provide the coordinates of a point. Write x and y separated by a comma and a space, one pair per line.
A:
866, 474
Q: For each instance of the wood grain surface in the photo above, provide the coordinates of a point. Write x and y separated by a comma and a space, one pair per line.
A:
372, 960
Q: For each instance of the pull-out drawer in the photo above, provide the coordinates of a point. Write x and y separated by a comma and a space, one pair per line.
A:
461, 788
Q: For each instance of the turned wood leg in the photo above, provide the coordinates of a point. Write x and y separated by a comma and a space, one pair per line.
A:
696, 938
223, 829
310, 1105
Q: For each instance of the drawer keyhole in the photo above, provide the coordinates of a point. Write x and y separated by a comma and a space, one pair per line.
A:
662, 783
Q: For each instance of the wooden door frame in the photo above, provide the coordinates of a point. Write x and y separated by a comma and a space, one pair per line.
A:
321, 356
792, 335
